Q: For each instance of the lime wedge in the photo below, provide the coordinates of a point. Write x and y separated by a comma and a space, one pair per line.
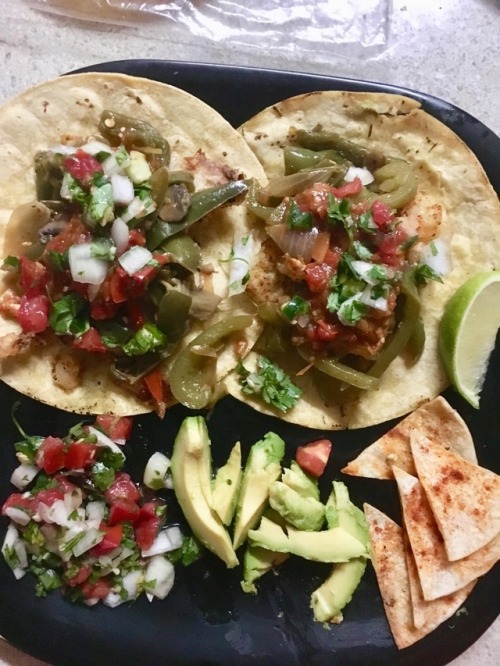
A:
468, 332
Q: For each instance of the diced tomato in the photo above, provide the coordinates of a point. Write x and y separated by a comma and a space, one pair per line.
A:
73, 233
112, 539
313, 457
80, 455
322, 331
48, 496
382, 214
116, 428
149, 509
348, 189
82, 166
156, 385
118, 285
33, 314
122, 488
80, 577
51, 455
34, 276
389, 251
143, 277
16, 500
162, 259
136, 237
135, 314
332, 258
317, 276
97, 590
146, 532
123, 511
64, 483
90, 341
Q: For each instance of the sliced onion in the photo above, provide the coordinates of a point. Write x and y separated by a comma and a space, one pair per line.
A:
298, 244
123, 189
119, 235
85, 268
166, 541
113, 599
321, 246
131, 583
160, 575
156, 470
134, 259
437, 256
135, 209
380, 303
73, 500
94, 147
110, 166
23, 475
365, 176
104, 440
95, 513
19, 516
241, 261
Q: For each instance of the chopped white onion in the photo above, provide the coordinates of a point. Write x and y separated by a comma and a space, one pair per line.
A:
73, 500
166, 541
159, 577
156, 470
169, 482
113, 599
123, 189
23, 475
134, 259
93, 601
84, 267
119, 235
437, 256
110, 166
131, 583
104, 440
91, 537
22, 556
368, 272
134, 209
94, 147
95, 513
19, 516
379, 303
62, 149
241, 261
365, 176
65, 191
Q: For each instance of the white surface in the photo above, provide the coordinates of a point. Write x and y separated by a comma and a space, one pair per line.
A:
447, 48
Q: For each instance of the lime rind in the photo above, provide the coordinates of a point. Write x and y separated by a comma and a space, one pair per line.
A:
468, 333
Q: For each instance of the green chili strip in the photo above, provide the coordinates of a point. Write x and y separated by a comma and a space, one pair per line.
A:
320, 139
202, 203
191, 376
299, 159
338, 370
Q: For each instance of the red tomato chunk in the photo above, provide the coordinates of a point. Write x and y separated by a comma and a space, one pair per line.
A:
313, 457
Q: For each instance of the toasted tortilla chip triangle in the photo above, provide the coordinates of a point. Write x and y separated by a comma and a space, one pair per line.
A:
431, 613
387, 541
464, 498
437, 420
437, 575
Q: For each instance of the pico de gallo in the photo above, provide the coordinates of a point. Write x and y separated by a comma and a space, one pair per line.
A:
80, 524
347, 296
109, 266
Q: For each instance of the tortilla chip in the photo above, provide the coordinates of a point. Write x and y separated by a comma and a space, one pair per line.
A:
389, 562
438, 576
437, 420
454, 201
464, 498
428, 613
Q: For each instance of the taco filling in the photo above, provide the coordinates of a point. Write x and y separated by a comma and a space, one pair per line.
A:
105, 260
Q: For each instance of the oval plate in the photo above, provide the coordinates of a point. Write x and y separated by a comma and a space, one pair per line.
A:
207, 619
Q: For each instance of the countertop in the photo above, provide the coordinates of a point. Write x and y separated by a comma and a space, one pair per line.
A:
446, 48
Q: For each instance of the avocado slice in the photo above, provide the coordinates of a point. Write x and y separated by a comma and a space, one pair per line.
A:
226, 486
303, 484
305, 513
332, 545
191, 474
262, 468
256, 562
336, 592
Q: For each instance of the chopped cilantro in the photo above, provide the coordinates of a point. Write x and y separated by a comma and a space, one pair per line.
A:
102, 248
190, 551
57, 261
68, 315
295, 307
367, 223
297, 219
43, 482
102, 475
338, 211
100, 206
351, 311
11, 263
147, 338
48, 580
362, 251
423, 273
32, 534
271, 383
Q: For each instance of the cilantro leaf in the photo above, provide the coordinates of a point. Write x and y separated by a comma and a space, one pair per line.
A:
190, 551
147, 338
102, 475
68, 315
338, 210
11, 263
351, 311
271, 383
423, 273
295, 307
297, 219
57, 261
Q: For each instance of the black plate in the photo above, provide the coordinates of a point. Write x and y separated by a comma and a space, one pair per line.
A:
207, 619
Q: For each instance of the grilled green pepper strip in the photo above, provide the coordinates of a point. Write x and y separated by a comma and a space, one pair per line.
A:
416, 342
202, 203
48, 175
184, 251
135, 134
395, 183
172, 314
191, 375
253, 204
320, 139
335, 368
297, 159
159, 181
184, 177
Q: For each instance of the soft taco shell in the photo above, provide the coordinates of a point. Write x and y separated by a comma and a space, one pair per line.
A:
437, 420
454, 201
71, 105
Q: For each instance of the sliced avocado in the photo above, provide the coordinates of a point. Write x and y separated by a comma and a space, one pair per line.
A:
333, 545
305, 513
256, 562
226, 486
191, 475
262, 468
336, 592
303, 484
137, 168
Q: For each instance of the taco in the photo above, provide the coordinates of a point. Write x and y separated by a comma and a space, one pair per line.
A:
117, 234
375, 213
